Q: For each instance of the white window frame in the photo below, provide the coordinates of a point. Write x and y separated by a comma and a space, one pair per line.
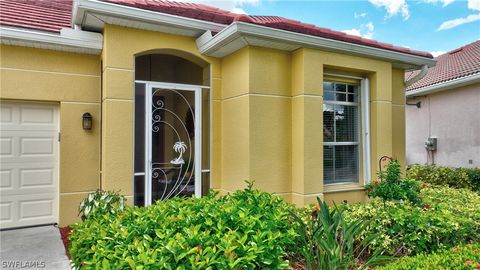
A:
364, 96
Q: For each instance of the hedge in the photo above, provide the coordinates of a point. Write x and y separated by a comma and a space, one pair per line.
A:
461, 257
246, 230
446, 176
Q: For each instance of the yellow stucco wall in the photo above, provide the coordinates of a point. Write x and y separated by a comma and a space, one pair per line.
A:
398, 117
287, 158
266, 113
121, 45
72, 81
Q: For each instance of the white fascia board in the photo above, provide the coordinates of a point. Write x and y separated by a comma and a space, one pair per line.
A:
475, 78
68, 40
239, 29
136, 14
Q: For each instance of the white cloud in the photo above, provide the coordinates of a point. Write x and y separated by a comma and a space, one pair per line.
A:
437, 53
370, 26
234, 6
353, 32
474, 4
238, 10
360, 15
459, 21
393, 7
444, 2
365, 31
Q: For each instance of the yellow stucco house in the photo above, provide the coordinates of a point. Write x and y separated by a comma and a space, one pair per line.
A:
160, 99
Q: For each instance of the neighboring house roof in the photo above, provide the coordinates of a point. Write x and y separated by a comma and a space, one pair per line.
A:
454, 65
53, 15
43, 15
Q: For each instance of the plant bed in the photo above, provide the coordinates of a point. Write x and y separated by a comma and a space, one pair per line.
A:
461, 257
447, 217
248, 229
65, 233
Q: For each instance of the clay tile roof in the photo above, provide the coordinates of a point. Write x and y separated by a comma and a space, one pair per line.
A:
458, 63
204, 12
52, 15
44, 15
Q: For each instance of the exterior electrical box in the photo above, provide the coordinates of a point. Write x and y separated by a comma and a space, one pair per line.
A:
431, 144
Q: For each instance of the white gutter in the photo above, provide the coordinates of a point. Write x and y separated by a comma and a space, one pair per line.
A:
418, 77
83, 7
475, 78
240, 29
68, 40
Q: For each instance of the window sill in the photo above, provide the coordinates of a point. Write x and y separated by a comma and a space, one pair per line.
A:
341, 187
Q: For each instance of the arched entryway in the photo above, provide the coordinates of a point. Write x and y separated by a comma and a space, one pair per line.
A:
171, 126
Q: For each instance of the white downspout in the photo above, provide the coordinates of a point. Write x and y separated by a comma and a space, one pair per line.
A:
418, 77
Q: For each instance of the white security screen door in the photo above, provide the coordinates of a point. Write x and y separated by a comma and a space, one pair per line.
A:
171, 115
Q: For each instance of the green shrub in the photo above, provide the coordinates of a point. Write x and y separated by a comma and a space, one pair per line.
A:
329, 242
101, 202
246, 230
449, 217
446, 176
392, 187
461, 257
474, 175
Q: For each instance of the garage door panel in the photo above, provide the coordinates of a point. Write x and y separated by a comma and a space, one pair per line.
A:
29, 146
34, 209
6, 211
6, 116
38, 115
26, 210
18, 116
34, 146
21, 178
6, 146
29, 164
38, 177
6, 179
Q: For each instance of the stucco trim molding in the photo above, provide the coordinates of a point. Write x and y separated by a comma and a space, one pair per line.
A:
475, 78
239, 34
69, 40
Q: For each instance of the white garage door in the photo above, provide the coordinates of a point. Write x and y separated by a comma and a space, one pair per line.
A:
29, 164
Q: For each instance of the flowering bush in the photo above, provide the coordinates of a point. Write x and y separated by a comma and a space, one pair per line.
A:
392, 187
461, 257
246, 230
447, 218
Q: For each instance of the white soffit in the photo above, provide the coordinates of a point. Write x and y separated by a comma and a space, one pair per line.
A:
93, 15
239, 35
69, 40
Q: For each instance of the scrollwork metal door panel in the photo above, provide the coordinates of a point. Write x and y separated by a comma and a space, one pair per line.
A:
173, 142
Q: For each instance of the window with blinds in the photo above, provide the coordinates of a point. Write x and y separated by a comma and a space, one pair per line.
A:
340, 132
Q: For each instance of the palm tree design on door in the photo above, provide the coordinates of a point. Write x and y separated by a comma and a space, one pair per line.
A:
180, 148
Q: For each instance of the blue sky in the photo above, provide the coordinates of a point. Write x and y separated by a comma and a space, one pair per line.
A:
435, 26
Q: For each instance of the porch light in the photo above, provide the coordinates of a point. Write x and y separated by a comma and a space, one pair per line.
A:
87, 121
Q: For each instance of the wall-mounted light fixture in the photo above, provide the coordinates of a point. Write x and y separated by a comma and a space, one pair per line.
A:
87, 121
418, 104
